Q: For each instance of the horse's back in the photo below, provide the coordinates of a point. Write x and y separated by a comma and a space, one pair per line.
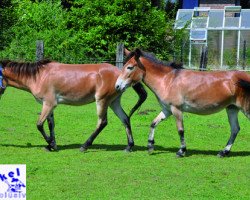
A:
203, 92
78, 83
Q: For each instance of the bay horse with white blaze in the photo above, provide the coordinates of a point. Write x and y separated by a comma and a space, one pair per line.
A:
53, 83
179, 90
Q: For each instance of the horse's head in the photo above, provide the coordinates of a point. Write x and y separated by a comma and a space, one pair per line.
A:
132, 72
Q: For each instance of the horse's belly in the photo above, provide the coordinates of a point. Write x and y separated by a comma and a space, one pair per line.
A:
203, 109
75, 100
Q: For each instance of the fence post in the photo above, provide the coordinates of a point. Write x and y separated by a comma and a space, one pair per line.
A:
203, 61
244, 54
39, 50
119, 55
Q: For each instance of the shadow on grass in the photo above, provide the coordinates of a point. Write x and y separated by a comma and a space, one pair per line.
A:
119, 147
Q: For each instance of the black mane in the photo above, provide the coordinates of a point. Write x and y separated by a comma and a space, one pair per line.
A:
152, 58
24, 68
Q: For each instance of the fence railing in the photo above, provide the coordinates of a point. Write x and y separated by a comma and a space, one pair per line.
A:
119, 53
204, 58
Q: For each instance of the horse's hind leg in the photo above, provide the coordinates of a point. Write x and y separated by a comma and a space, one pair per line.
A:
116, 107
153, 125
51, 124
102, 108
232, 113
179, 123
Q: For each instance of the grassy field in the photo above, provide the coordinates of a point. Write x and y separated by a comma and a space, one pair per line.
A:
106, 171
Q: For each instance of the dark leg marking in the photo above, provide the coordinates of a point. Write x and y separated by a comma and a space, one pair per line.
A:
232, 113
117, 109
51, 125
161, 116
183, 149
90, 140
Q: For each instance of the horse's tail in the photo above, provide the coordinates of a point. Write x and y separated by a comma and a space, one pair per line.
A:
142, 93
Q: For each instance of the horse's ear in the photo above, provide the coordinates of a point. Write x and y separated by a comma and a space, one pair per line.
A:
138, 53
126, 51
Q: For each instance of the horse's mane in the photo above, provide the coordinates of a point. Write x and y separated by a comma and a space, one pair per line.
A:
152, 58
24, 68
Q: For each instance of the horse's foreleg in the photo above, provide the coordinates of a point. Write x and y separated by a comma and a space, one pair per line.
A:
142, 93
117, 109
51, 125
179, 123
46, 111
153, 125
232, 113
102, 122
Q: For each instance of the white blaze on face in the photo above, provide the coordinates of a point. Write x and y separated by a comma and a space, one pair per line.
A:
120, 84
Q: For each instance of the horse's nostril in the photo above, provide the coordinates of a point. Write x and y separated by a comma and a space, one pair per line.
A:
117, 87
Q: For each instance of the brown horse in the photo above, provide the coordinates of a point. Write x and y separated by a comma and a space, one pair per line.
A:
53, 83
179, 90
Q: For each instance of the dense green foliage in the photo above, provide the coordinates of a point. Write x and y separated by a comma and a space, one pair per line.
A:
106, 172
88, 29
7, 19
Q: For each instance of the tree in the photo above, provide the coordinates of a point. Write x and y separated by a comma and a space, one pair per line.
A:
83, 30
99, 25
43, 20
7, 19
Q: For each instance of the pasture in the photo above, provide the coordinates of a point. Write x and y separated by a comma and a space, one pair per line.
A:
105, 171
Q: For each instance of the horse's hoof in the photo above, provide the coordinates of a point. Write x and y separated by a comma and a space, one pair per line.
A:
223, 153
47, 148
150, 151
83, 149
180, 154
128, 149
53, 147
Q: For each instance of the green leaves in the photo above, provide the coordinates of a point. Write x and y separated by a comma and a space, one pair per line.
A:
88, 30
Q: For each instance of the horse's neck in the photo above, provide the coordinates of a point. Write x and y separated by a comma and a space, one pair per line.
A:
18, 82
155, 76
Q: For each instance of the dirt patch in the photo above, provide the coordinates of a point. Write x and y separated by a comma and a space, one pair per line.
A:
146, 112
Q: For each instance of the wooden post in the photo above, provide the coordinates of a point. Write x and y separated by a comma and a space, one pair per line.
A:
119, 55
39, 50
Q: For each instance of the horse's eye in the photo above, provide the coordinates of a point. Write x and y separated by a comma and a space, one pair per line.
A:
131, 67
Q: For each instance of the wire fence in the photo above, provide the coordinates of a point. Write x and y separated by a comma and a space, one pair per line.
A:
39, 51
212, 60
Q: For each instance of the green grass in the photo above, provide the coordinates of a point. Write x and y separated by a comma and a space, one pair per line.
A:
105, 171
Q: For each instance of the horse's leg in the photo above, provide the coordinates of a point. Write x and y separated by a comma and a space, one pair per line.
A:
102, 109
51, 124
232, 113
46, 111
156, 121
116, 107
179, 123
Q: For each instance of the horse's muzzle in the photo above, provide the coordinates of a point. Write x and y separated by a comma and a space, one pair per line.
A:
117, 88
120, 88
120, 85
